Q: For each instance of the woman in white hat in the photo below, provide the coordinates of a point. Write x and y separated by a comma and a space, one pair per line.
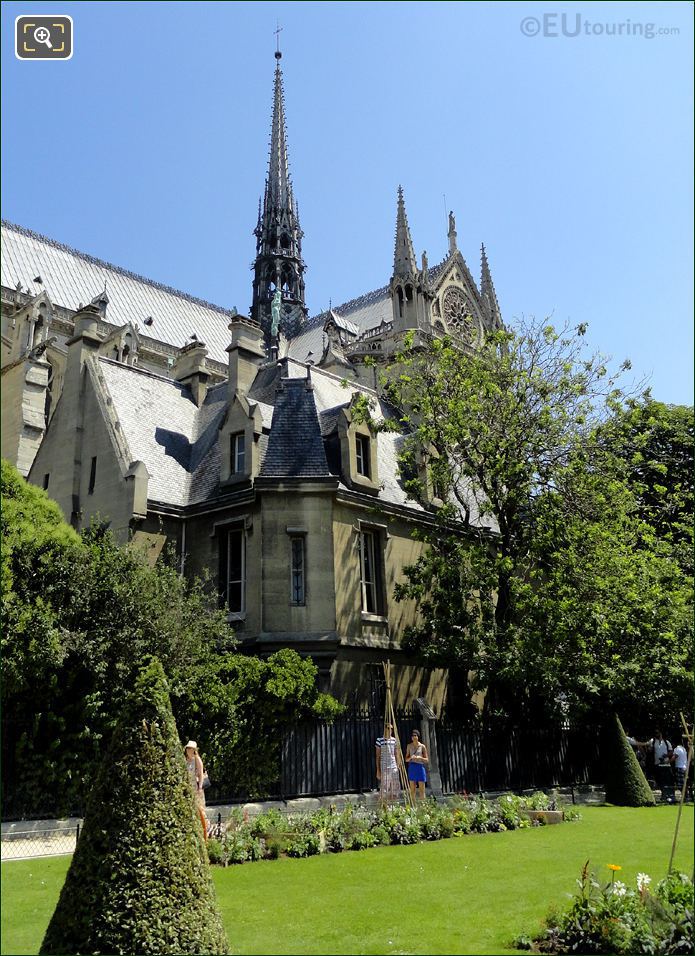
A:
196, 773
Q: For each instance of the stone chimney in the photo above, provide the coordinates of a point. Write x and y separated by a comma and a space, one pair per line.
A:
246, 354
190, 369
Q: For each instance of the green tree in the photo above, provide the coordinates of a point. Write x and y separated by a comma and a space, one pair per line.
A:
238, 707
139, 881
626, 785
532, 578
38, 552
79, 616
656, 444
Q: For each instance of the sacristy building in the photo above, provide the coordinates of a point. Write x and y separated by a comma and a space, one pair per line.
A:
231, 437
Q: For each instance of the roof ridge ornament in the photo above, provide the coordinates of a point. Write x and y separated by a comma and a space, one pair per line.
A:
487, 289
451, 234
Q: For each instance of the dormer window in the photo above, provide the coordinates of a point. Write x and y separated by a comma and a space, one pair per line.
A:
363, 451
237, 456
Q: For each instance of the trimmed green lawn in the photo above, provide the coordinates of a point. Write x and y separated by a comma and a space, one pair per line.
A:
467, 895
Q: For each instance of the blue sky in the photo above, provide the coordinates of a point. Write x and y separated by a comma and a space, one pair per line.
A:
570, 157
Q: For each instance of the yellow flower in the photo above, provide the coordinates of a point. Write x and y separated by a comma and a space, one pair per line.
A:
614, 867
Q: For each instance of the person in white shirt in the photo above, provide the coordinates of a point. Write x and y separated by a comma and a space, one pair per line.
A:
661, 751
680, 762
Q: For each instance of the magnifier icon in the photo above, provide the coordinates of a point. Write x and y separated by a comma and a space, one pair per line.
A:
43, 35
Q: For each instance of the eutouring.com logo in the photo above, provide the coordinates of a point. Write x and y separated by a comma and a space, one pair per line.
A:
574, 25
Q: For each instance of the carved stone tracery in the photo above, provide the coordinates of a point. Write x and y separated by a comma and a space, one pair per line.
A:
458, 313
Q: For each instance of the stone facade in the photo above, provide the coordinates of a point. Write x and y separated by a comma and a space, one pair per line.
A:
232, 438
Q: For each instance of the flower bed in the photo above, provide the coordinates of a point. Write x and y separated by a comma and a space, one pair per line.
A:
272, 834
616, 918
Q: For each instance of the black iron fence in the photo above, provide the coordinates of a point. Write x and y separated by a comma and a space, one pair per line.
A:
317, 758
481, 759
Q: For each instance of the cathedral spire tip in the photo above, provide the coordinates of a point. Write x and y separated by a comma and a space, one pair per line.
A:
404, 262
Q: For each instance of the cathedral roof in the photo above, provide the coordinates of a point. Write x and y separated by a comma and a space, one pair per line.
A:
163, 427
364, 312
73, 278
157, 422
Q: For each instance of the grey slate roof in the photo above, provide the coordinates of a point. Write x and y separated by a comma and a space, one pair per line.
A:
295, 446
178, 442
163, 428
328, 419
71, 277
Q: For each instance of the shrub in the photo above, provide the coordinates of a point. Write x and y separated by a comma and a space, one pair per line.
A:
481, 816
614, 918
381, 835
215, 854
508, 809
273, 847
626, 785
303, 844
139, 880
537, 801
267, 824
362, 840
462, 820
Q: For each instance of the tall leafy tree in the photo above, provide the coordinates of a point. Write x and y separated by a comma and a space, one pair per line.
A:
656, 444
532, 580
79, 616
139, 881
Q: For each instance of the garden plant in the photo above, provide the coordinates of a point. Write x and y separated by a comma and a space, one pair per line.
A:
329, 830
612, 917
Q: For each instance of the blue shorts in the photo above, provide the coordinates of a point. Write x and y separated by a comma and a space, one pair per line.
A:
417, 772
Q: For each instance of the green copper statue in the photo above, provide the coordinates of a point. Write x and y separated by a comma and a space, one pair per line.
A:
275, 313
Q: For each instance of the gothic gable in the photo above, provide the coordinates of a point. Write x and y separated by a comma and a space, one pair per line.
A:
457, 308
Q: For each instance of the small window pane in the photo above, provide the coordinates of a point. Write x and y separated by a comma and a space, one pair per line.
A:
370, 572
238, 454
92, 476
235, 596
297, 575
236, 571
362, 448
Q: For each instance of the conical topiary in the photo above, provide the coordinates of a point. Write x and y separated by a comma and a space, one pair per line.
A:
139, 881
626, 785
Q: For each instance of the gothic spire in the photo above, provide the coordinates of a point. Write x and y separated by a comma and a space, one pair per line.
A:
487, 288
404, 263
279, 185
279, 265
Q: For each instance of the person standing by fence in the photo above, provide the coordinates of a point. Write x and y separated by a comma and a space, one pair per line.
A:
680, 764
417, 758
196, 774
387, 766
660, 751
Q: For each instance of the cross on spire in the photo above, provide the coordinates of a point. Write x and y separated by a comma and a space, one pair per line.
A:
277, 33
